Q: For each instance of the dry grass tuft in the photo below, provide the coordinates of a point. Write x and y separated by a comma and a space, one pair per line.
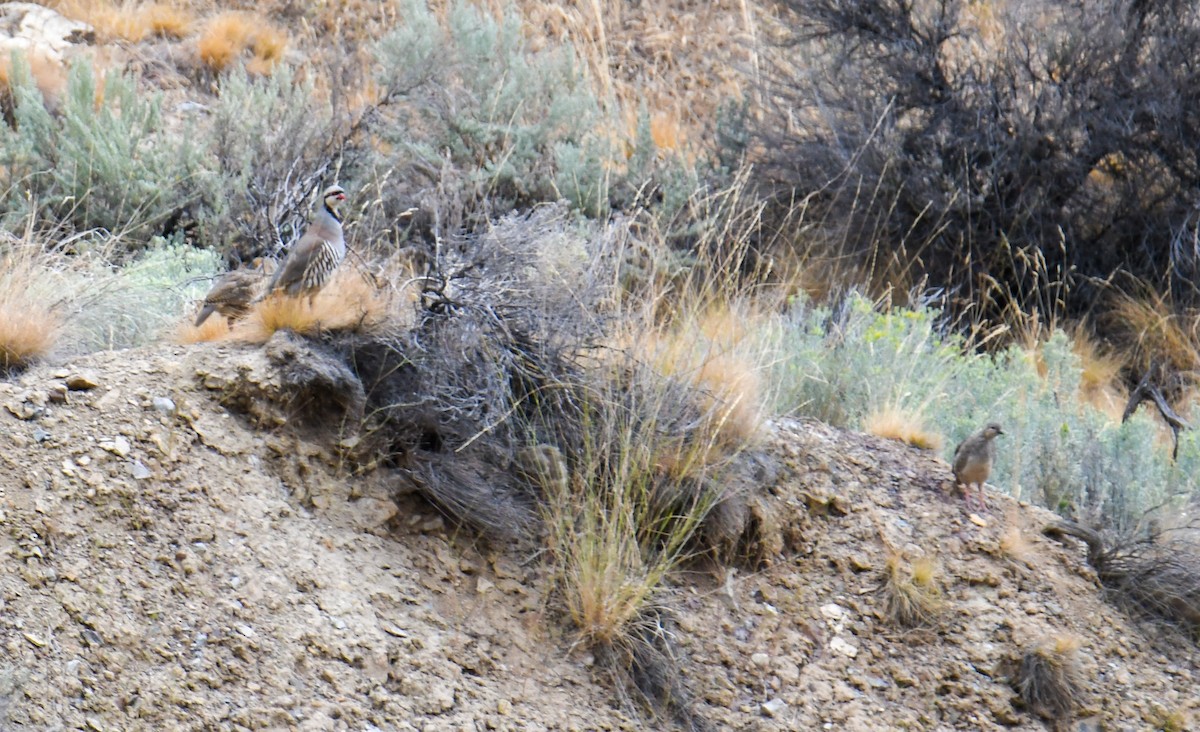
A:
896, 423
27, 332
1048, 679
231, 36
216, 328
911, 595
29, 326
348, 303
1101, 374
168, 21
1150, 329
711, 354
128, 21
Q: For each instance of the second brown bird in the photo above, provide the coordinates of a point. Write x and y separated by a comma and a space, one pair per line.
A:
233, 292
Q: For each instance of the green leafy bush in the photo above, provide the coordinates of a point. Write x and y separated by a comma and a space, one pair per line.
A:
131, 305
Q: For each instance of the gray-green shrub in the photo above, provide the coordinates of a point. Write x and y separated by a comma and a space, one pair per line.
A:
1057, 449
105, 161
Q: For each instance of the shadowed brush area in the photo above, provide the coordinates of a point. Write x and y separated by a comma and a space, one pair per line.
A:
1154, 575
505, 405
1048, 678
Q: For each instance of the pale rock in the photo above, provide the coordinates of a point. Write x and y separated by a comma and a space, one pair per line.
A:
774, 707
841, 647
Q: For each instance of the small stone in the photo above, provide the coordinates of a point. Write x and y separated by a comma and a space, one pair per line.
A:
760, 659
977, 520
164, 405
40, 435
119, 446
138, 470
58, 394
24, 410
839, 646
833, 611
482, 585
774, 707
35, 640
91, 637
245, 631
504, 707
433, 525
82, 381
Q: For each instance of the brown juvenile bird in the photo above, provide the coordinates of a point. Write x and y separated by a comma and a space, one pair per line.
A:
232, 292
973, 460
316, 254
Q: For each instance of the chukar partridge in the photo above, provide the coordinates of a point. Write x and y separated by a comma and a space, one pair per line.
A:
316, 254
973, 460
233, 292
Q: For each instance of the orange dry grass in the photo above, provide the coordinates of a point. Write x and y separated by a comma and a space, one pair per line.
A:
168, 21
710, 353
214, 329
895, 423
29, 327
1151, 329
1100, 378
230, 36
127, 21
27, 332
349, 302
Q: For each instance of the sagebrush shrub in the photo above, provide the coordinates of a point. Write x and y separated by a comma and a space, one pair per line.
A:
473, 97
105, 161
264, 166
842, 364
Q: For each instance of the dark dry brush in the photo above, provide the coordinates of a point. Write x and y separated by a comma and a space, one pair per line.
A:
1156, 575
1018, 154
506, 372
1048, 679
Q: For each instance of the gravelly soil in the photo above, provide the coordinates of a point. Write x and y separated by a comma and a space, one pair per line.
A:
243, 581
165, 566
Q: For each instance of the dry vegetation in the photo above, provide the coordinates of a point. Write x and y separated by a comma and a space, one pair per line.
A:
912, 597
229, 37
29, 324
591, 384
896, 423
1048, 680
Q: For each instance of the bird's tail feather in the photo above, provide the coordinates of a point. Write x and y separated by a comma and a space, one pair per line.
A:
205, 311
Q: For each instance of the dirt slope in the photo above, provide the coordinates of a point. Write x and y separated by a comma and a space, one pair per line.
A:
165, 566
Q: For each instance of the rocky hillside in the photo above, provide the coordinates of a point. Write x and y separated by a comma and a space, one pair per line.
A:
169, 565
